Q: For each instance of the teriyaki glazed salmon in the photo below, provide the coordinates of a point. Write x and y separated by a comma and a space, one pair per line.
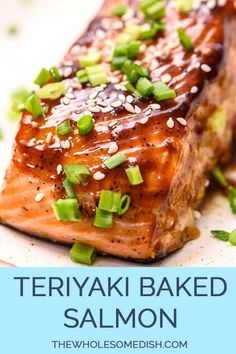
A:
116, 145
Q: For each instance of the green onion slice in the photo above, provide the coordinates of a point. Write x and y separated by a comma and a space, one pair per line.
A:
115, 160
33, 105
221, 235
124, 204
134, 175
184, 5
90, 59
85, 125
117, 63
232, 238
132, 89
144, 87
109, 201
69, 188
55, 74
51, 91
156, 11
162, 91
43, 77
185, 40
77, 173
103, 219
64, 128
119, 10
96, 75
82, 76
232, 199
133, 49
219, 177
145, 4
67, 210
133, 71
84, 254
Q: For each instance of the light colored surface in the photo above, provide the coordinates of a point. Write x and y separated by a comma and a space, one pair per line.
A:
47, 29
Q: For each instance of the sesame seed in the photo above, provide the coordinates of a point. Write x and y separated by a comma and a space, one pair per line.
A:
137, 109
182, 121
70, 96
116, 104
148, 112
98, 176
39, 197
48, 138
144, 120
170, 123
95, 109
194, 89
206, 68
154, 106
67, 71
87, 113
113, 148
65, 101
93, 95
65, 144
98, 88
197, 214
59, 169
121, 97
129, 99
111, 124
118, 87
166, 78
129, 107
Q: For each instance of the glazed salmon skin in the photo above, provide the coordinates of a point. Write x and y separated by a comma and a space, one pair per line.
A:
157, 84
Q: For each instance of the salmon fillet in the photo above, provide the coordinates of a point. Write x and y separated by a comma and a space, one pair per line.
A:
176, 143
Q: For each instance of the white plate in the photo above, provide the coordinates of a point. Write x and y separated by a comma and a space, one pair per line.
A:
47, 28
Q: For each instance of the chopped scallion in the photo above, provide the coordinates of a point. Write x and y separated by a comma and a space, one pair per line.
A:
115, 160
96, 75
133, 71
77, 173
162, 91
133, 49
145, 4
82, 76
55, 74
184, 5
232, 199
232, 238
144, 87
117, 63
109, 201
85, 125
33, 106
221, 235
69, 188
124, 204
134, 175
64, 128
67, 210
43, 77
156, 11
84, 254
90, 59
51, 91
132, 89
103, 219
220, 178
185, 40
119, 10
